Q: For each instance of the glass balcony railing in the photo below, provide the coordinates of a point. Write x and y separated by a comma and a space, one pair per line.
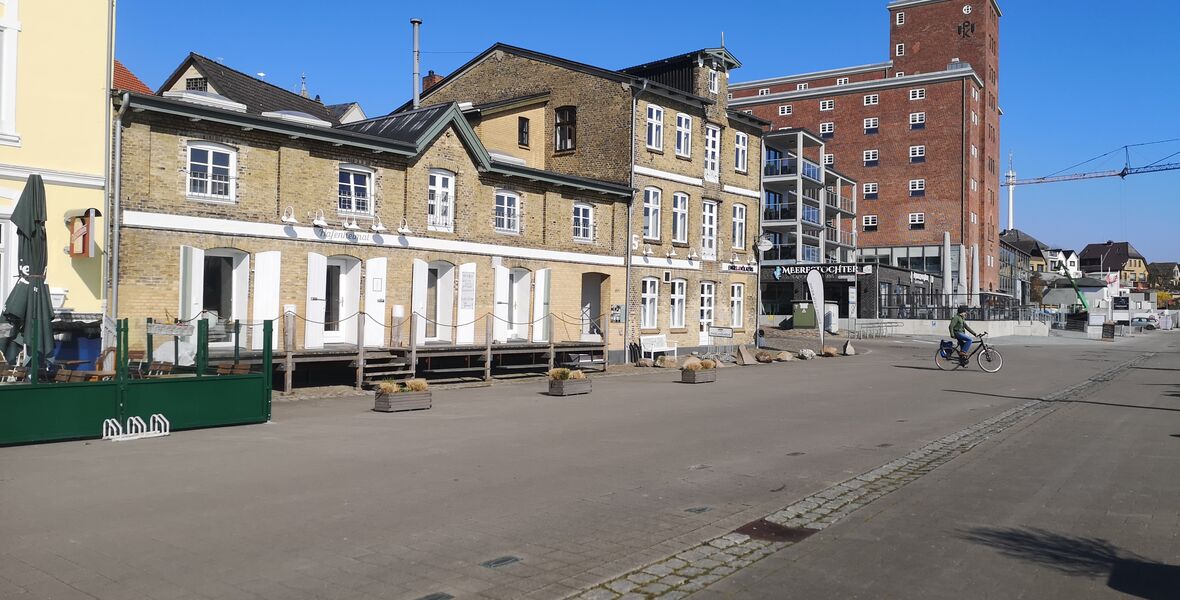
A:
786, 167
783, 252
779, 212
843, 238
844, 204
810, 214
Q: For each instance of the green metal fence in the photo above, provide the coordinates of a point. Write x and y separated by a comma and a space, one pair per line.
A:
35, 410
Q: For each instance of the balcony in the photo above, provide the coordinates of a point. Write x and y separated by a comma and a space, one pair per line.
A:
843, 204
787, 167
844, 238
779, 212
783, 252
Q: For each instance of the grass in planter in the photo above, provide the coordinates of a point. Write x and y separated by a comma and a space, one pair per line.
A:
562, 374
390, 386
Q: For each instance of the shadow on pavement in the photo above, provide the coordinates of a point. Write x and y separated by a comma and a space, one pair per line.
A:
992, 395
1175, 435
1155, 369
1125, 571
915, 367
1164, 408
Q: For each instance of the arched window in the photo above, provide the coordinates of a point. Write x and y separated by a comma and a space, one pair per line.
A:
652, 198
507, 215
212, 171
649, 299
356, 190
440, 200
678, 295
680, 217
583, 222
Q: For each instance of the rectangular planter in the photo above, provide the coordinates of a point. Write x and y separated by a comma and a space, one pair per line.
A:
702, 376
568, 387
402, 401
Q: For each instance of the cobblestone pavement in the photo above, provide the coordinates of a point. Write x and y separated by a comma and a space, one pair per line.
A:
334, 501
680, 575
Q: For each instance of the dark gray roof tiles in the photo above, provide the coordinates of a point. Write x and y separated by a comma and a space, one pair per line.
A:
405, 126
258, 96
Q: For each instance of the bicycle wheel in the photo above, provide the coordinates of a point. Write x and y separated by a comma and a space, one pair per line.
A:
990, 360
946, 363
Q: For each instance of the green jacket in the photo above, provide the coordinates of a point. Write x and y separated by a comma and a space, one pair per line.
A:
958, 324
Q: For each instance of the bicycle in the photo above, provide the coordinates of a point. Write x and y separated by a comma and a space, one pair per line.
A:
947, 357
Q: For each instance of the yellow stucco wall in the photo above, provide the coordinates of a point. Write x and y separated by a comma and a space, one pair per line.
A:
58, 126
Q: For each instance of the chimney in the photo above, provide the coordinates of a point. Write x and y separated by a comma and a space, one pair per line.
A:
416, 23
430, 80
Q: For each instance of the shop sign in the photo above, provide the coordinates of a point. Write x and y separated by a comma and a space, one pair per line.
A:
738, 268
721, 332
827, 270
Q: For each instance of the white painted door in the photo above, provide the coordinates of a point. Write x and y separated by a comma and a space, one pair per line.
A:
418, 300
708, 295
316, 307
500, 303
591, 313
465, 315
375, 295
335, 271
520, 282
192, 282
541, 318
267, 267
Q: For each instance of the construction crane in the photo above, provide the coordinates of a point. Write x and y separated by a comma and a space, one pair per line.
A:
1010, 180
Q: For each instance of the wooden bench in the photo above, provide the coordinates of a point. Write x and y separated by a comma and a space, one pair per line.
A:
651, 344
232, 369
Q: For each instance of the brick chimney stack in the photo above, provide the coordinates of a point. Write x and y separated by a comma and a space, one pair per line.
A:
430, 79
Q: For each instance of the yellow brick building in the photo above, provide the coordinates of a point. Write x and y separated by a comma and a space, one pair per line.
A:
55, 121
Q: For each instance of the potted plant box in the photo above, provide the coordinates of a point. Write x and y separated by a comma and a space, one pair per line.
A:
564, 382
704, 371
396, 397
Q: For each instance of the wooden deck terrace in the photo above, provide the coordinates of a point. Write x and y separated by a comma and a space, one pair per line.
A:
432, 360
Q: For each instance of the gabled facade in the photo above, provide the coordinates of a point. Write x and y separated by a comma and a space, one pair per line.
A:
232, 212
55, 121
1116, 257
662, 128
1164, 275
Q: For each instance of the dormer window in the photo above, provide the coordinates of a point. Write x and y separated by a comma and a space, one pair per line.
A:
210, 172
196, 84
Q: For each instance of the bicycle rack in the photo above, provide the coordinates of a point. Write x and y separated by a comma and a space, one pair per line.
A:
136, 428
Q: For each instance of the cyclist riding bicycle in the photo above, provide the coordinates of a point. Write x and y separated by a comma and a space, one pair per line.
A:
958, 325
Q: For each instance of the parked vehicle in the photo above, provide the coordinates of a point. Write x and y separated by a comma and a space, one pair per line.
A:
1143, 322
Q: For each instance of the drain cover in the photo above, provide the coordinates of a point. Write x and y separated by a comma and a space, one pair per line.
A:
496, 563
773, 532
796, 453
884, 445
698, 509
437, 596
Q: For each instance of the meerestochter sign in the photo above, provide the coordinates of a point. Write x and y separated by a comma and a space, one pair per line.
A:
827, 270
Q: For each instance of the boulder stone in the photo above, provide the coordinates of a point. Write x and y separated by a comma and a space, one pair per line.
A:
830, 352
645, 362
806, 354
784, 356
763, 356
667, 362
848, 349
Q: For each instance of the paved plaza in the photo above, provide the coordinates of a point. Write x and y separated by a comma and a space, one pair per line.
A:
996, 493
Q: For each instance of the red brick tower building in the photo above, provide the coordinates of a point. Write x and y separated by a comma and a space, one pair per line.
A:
919, 132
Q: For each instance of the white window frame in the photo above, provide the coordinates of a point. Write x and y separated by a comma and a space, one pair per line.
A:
763, 91
709, 230
678, 302
680, 217
841, 81
231, 183
900, 18
707, 313
712, 152
10, 30
917, 218
652, 200
506, 211
918, 151
683, 135
353, 171
714, 81
899, 50
737, 305
872, 123
917, 185
785, 110
899, 74
741, 152
440, 200
870, 188
872, 99
918, 94
583, 222
828, 158
917, 118
868, 221
975, 94
827, 127
873, 154
974, 185
826, 105
655, 127
799, 87
739, 227
649, 302
974, 118
974, 150
974, 218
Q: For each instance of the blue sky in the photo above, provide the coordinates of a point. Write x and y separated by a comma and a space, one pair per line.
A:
1077, 78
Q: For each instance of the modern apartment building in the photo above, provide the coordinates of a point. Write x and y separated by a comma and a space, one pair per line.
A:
664, 129
919, 133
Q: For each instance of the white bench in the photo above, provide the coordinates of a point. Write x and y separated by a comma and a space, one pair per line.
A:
651, 344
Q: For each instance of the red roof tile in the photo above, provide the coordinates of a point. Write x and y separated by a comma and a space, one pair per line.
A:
126, 80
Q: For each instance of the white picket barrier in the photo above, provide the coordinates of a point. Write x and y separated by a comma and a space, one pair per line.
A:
136, 428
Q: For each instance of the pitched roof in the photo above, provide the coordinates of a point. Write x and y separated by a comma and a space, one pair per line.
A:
124, 79
405, 127
731, 62
258, 96
1163, 269
1112, 256
339, 110
1022, 241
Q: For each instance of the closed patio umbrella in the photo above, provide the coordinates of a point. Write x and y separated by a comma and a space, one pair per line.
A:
29, 304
